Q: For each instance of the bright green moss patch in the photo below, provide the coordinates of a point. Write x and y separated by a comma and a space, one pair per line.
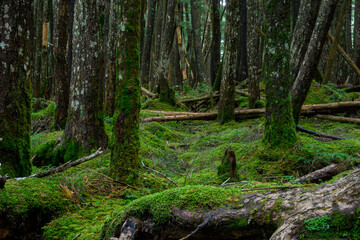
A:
335, 226
327, 94
44, 113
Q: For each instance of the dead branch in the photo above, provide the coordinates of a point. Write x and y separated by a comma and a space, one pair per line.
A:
339, 119
161, 174
353, 89
67, 165
147, 92
301, 129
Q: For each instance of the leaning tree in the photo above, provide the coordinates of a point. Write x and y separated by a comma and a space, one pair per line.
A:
15, 87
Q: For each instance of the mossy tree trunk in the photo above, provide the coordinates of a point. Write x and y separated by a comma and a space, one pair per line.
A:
253, 51
226, 111
355, 78
279, 123
62, 78
16, 31
110, 59
84, 130
308, 65
124, 162
216, 38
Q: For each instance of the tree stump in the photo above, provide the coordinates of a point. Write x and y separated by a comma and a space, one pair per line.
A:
227, 168
2, 181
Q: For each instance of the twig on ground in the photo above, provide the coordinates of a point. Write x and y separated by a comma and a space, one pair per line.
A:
159, 174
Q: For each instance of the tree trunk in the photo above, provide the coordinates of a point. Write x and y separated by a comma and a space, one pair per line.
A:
356, 80
216, 40
339, 26
296, 8
242, 65
110, 59
274, 215
310, 61
62, 78
196, 33
124, 163
16, 32
279, 123
227, 87
84, 130
253, 51
146, 53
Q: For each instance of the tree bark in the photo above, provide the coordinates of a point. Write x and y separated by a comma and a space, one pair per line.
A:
253, 51
216, 40
62, 78
16, 32
242, 65
146, 53
279, 122
85, 127
356, 80
306, 72
227, 87
124, 163
279, 214
199, 58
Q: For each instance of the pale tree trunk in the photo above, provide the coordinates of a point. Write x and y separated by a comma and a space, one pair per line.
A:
307, 69
227, 88
62, 78
124, 163
253, 51
84, 130
16, 32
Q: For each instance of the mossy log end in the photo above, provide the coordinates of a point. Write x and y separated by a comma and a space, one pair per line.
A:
279, 214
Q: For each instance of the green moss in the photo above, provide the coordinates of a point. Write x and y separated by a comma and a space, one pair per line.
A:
44, 113
332, 227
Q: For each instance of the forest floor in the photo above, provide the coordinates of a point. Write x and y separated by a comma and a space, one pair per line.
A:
79, 200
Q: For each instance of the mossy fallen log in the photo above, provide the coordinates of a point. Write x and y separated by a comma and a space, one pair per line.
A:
252, 113
339, 119
218, 213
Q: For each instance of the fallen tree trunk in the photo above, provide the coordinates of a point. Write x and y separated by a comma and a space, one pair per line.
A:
353, 89
339, 119
275, 215
323, 174
251, 113
147, 92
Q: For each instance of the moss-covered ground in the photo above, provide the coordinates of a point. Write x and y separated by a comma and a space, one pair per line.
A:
188, 152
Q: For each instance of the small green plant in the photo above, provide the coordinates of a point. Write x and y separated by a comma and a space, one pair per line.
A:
318, 223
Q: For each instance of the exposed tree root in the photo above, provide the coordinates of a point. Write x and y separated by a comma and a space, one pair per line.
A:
301, 129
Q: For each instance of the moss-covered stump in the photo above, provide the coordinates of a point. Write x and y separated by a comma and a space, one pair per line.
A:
227, 169
26, 205
233, 214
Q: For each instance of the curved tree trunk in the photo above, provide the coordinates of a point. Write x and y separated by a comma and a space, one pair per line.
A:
15, 87
306, 72
124, 163
85, 127
274, 215
62, 78
279, 123
227, 88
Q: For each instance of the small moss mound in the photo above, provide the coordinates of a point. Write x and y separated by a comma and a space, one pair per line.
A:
26, 205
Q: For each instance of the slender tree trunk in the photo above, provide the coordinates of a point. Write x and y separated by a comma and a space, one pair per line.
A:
216, 40
242, 71
16, 32
356, 79
333, 51
110, 59
84, 130
199, 58
146, 52
226, 109
296, 8
124, 162
253, 51
143, 23
302, 34
307, 69
279, 123
62, 78
37, 78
